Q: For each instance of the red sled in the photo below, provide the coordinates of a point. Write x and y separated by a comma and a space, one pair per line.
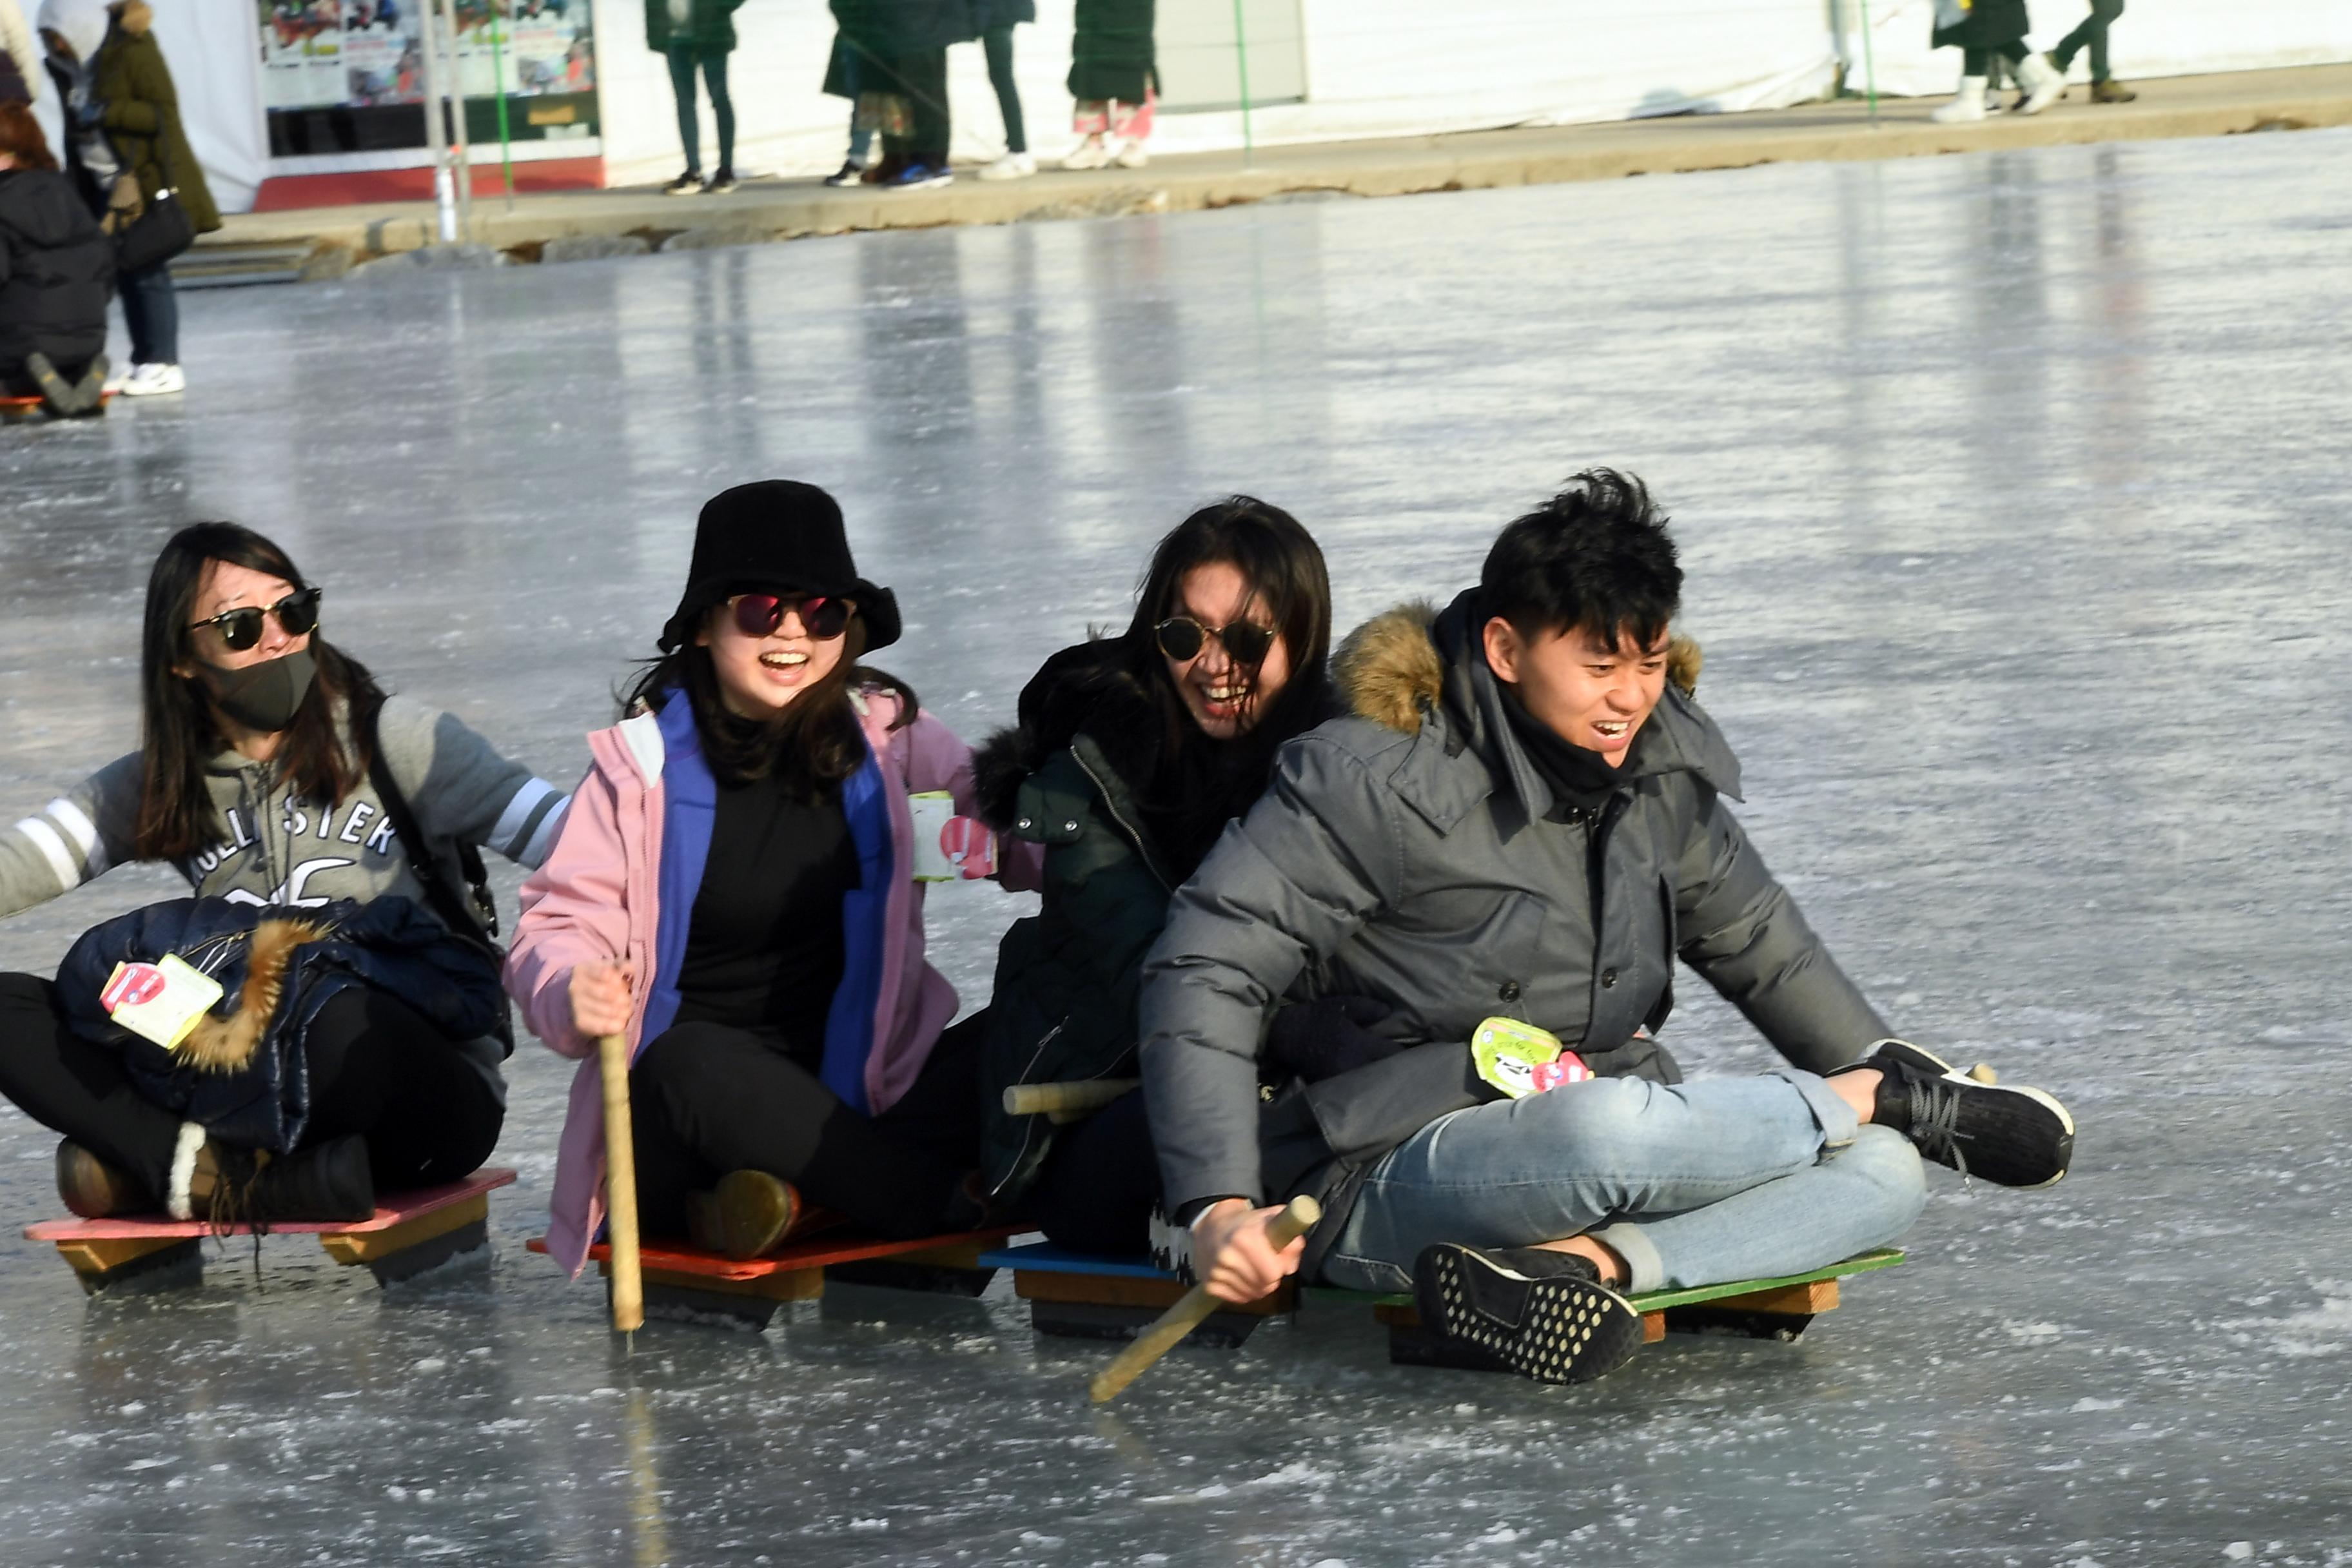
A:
409, 1233
690, 1286
14, 408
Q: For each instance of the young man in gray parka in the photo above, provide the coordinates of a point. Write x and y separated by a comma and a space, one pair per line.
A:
1523, 825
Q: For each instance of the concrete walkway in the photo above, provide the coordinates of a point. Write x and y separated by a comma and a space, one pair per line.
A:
604, 222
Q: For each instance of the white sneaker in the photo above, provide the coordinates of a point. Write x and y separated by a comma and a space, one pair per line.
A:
2043, 83
1968, 105
114, 383
1131, 154
1012, 166
1090, 154
153, 379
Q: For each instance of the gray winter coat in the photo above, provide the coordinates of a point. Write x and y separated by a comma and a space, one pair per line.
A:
1413, 854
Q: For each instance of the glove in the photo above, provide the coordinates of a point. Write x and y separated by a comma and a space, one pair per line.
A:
1332, 1034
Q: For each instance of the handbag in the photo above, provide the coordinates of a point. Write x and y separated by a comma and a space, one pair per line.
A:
162, 229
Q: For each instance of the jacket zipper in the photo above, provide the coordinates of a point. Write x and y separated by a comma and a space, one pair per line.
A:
1133, 835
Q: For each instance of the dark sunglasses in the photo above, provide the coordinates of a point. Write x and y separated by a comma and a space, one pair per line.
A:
1182, 638
296, 613
759, 614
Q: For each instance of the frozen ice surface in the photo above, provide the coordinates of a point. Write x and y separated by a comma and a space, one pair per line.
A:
2014, 490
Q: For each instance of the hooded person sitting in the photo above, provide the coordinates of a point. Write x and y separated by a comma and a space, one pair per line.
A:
57, 273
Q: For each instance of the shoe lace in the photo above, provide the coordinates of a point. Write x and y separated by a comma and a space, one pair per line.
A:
1935, 1117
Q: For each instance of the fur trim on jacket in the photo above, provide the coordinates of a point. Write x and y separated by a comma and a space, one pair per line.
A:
227, 1044
1390, 671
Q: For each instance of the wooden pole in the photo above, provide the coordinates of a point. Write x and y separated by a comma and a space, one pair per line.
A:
1197, 1304
621, 1187
1052, 1099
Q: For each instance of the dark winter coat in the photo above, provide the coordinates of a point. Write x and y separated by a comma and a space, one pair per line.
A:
710, 26
1414, 854
1064, 1006
242, 1073
1989, 24
1111, 53
142, 115
991, 14
57, 273
886, 30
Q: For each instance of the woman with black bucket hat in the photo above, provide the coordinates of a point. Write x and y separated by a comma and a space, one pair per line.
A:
735, 894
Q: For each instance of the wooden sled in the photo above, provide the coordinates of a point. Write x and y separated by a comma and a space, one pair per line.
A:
410, 1233
15, 410
685, 1285
1073, 1293
1755, 1308
1085, 1296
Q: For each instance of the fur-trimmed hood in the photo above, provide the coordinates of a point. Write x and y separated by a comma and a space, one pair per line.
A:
1086, 688
1417, 665
1391, 672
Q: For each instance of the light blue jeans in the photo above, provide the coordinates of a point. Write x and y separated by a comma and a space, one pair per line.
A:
1692, 1184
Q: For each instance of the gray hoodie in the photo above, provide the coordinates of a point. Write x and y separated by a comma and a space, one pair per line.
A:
277, 847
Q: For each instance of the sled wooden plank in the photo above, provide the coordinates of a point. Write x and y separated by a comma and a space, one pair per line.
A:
1084, 1295
392, 1209
349, 1246
818, 1253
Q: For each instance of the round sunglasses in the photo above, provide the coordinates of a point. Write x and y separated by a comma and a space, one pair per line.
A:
1182, 638
297, 615
759, 614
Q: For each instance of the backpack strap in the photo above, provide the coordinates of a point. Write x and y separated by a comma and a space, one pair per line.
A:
475, 918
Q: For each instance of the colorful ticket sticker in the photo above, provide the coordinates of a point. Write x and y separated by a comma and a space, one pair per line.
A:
160, 1001
1520, 1059
948, 847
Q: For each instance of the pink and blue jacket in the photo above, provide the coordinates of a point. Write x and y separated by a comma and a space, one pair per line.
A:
620, 885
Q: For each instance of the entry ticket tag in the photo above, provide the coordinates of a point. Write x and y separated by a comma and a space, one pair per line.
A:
1521, 1060
160, 1001
948, 847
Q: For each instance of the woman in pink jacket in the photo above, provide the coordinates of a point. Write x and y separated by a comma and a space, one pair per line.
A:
734, 893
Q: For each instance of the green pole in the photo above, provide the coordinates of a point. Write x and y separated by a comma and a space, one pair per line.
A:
498, 74
1869, 62
1241, 58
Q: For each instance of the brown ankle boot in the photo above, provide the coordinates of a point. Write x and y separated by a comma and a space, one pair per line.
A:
747, 1216
329, 1181
94, 1189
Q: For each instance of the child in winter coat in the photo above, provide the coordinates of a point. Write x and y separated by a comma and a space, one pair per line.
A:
734, 893
273, 773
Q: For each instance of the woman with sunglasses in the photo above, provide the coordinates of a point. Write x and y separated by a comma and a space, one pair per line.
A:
263, 776
1132, 755
734, 893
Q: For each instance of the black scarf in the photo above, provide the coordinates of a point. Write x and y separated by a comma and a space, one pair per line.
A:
1582, 780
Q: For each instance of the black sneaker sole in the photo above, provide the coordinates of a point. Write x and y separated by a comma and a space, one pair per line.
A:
1553, 1331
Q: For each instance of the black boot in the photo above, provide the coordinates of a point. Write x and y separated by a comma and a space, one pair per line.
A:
1544, 1314
329, 1181
2017, 1136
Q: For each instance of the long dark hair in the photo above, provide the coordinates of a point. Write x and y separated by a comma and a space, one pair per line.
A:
1284, 568
808, 749
177, 732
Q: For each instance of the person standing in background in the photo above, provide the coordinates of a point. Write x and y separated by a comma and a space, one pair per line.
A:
1982, 31
2104, 89
124, 144
1115, 76
898, 55
997, 19
841, 81
20, 62
697, 33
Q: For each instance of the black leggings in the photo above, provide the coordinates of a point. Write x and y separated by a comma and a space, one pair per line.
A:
708, 1099
2092, 32
1096, 1192
997, 44
923, 79
376, 1069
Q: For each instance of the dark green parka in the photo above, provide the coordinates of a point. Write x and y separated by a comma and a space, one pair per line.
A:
143, 115
709, 25
1064, 1007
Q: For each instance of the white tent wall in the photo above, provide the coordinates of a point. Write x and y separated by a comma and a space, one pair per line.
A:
1375, 68
2154, 38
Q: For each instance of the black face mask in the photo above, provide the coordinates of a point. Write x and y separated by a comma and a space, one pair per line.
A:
265, 695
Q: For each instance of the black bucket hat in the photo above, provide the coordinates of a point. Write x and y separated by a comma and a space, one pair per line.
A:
777, 536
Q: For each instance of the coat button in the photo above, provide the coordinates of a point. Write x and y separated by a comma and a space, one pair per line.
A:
1022, 823
1069, 827
1509, 991
1608, 978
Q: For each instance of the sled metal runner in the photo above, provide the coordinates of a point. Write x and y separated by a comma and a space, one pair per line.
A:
409, 1233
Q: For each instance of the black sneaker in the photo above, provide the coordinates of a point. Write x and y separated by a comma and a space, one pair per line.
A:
2007, 1134
1546, 1315
686, 184
849, 173
721, 183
